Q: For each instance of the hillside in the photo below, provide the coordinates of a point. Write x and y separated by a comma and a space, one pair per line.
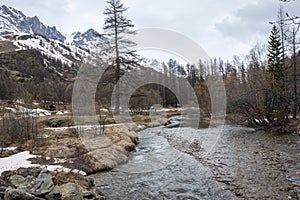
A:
35, 57
13, 22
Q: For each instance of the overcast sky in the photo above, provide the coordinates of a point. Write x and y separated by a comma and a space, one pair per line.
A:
223, 28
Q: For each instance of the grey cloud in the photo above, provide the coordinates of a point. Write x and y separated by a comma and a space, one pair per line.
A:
201, 20
51, 12
251, 20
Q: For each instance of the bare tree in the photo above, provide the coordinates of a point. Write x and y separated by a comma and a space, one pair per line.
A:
293, 41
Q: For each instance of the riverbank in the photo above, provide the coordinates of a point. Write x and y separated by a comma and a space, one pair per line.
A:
252, 164
69, 156
171, 163
175, 163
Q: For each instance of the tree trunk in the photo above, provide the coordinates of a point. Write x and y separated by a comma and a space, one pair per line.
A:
295, 76
117, 74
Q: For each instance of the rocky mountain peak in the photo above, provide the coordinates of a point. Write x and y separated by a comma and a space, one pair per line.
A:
87, 40
13, 21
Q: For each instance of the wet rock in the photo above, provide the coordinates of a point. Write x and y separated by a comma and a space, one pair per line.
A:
71, 191
54, 195
18, 194
89, 195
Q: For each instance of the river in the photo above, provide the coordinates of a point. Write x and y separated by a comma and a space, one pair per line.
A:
186, 163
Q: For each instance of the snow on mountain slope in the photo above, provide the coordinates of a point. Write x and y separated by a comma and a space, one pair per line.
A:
29, 33
155, 64
58, 57
67, 54
13, 21
90, 40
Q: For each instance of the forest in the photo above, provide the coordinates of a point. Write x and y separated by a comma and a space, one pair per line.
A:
261, 87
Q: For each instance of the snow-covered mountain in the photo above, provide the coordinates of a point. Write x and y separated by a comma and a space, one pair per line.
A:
61, 52
58, 57
66, 53
13, 21
20, 32
155, 64
88, 40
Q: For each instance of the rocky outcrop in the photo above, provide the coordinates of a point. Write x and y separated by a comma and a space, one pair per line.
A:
14, 21
88, 40
18, 194
90, 152
70, 191
106, 151
39, 184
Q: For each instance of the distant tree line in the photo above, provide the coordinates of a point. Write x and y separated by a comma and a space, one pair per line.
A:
25, 75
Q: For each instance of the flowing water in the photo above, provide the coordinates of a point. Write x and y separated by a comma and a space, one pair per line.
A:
227, 162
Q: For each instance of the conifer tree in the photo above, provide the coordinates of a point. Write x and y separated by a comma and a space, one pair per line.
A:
275, 102
119, 48
275, 58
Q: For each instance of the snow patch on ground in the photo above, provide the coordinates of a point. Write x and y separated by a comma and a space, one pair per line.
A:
10, 148
2, 38
16, 161
33, 112
60, 113
19, 160
11, 109
63, 112
83, 127
57, 129
38, 112
59, 168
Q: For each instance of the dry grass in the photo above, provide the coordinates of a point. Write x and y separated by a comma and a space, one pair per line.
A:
60, 178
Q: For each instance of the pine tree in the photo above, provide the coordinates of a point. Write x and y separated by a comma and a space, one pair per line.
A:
119, 48
275, 58
276, 101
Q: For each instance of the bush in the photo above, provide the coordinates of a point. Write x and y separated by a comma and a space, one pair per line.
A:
59, 122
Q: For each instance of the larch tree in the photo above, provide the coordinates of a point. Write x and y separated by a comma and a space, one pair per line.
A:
119, 48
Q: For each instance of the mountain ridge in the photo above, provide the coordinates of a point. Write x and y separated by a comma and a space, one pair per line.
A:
13, 21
